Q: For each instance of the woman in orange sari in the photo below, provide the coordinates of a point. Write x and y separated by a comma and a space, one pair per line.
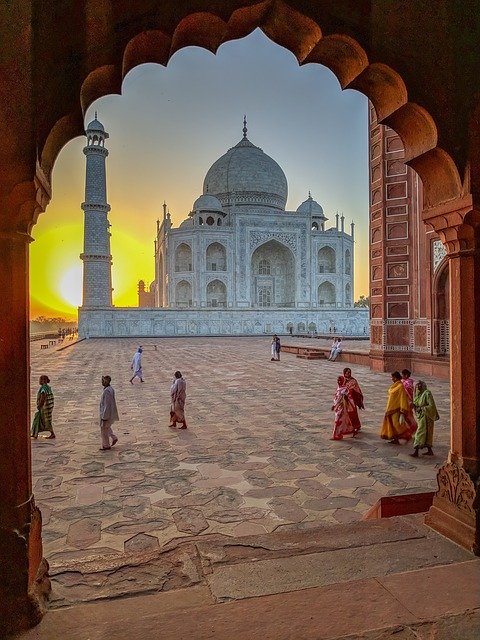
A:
395, 426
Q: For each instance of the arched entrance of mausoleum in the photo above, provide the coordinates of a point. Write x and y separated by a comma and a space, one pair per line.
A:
39, 117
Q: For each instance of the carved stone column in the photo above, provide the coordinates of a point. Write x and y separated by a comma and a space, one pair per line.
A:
456, 507
21, 567
24, 582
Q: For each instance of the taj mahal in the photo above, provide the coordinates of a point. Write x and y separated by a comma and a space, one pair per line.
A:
239, 264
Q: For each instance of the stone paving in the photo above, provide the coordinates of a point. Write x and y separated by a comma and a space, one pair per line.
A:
256, 458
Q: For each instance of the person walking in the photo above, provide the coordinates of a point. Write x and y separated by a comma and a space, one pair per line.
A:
42, 420
427, 414
394, 425
356, 397
409, 386
342, 404
136, 366
108, 414
178, 394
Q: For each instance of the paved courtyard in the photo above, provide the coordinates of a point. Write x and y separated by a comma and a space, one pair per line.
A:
257, 456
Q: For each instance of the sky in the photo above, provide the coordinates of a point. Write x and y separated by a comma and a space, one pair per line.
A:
169, 126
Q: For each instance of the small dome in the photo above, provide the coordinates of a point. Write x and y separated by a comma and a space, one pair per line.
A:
207, 203
311, 207
95, 125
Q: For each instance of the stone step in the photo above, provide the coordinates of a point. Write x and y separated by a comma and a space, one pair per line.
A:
373, 580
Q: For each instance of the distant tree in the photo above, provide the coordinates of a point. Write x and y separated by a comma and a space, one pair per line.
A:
363, 301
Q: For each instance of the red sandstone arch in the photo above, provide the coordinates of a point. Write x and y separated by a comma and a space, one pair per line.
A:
52, 71
298, 33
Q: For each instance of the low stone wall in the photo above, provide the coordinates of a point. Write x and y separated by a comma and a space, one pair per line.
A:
121, 322
352, 357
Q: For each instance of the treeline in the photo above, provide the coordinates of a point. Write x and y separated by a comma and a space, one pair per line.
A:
42, 323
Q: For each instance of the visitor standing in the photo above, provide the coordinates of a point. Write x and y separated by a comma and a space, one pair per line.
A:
42, 420
273, 348
394, 425
136, 366
341, 405
278, 347
178, 394
356, 397
108, 414
427, 414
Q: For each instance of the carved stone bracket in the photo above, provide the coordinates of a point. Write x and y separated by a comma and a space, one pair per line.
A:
456, 486
454, 512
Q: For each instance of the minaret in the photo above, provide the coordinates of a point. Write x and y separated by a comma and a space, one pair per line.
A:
97, 260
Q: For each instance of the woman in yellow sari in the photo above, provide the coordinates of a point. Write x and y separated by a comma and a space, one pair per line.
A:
395, 425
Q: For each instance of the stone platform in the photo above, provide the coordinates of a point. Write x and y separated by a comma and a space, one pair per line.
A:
256, 459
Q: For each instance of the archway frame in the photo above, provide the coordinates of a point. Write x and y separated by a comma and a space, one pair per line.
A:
43, 105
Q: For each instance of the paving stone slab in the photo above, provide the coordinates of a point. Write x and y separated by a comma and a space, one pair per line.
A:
264, 577
289, 442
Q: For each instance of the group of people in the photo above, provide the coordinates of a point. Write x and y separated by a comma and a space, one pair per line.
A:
42, 421
336, 349
410, 413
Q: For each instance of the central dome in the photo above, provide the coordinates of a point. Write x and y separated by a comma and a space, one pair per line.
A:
245, 175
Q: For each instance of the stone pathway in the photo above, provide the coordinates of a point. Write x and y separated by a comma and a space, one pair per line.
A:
257, 456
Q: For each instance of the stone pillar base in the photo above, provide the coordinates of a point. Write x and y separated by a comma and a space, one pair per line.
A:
25, 584
452, 513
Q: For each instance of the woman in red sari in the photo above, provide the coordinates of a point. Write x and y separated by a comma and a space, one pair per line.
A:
341, 405
356, 397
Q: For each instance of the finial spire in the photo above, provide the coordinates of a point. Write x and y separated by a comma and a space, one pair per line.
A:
309, 195
244, 127
95, 114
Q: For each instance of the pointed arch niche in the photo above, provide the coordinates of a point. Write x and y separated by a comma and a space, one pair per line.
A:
273, 276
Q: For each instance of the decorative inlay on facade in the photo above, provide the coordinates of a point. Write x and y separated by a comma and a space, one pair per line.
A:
397, 250
396, 190
399, 290
397, 309
396, 168
258, 238
438, 253
397, 230
397, 270
456, 486
398, 210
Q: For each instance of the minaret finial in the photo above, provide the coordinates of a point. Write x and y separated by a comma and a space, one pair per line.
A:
244, 127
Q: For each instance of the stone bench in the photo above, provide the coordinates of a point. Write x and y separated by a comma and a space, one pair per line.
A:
321, 353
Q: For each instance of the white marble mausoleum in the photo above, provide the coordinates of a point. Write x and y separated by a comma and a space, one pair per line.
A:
240, 263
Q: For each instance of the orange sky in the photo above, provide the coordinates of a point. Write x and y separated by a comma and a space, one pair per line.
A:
166, 130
